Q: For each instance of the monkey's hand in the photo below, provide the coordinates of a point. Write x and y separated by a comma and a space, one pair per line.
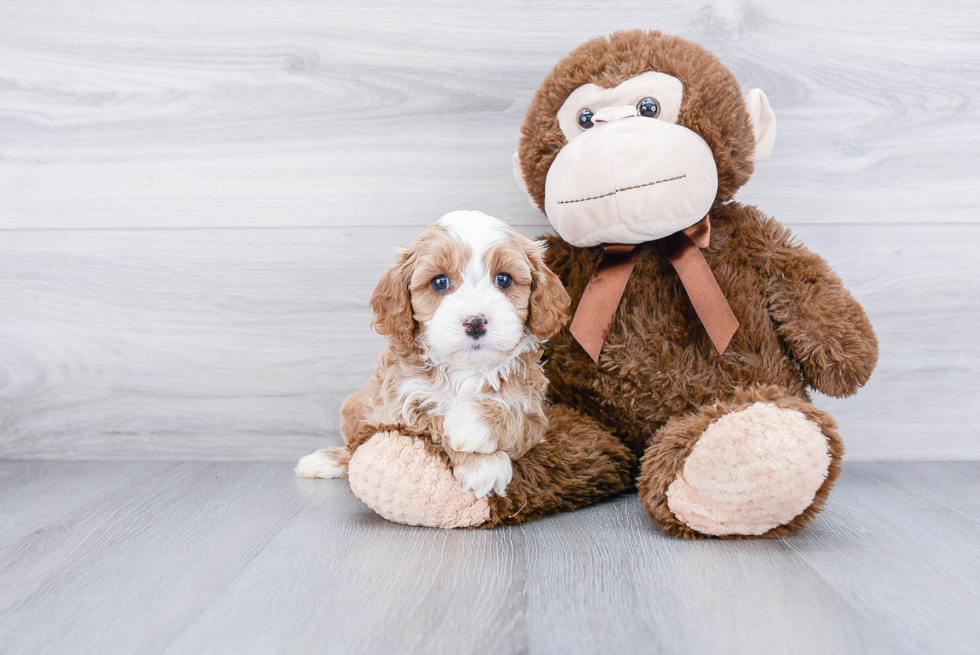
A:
826, 329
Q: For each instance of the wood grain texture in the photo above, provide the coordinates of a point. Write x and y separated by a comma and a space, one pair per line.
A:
196, 200
155, 551
133, 114
236, 557
907, 536
35, 494
242, 344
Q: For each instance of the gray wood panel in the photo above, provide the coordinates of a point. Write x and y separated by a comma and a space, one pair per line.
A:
195, 202
242, 344
237, 557
294, 113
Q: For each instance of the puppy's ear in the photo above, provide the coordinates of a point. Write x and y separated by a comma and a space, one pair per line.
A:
392, 304
549, 300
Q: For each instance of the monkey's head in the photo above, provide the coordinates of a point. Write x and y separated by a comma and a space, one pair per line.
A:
635, 136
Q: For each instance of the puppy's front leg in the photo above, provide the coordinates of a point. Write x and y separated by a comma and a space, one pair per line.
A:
466, 429
482, 472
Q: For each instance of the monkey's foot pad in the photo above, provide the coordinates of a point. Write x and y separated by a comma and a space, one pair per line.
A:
395, 476
751, 471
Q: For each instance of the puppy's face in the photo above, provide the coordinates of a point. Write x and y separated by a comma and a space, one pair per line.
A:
469, 291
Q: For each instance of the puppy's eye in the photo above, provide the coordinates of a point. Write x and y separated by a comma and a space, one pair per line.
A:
439, 283
648, 107
503, 281
585, 118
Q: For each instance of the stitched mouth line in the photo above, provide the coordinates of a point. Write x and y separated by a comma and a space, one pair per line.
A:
628, 188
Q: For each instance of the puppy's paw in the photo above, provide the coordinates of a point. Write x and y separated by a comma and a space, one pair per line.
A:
484, 473
465, 429
325, 463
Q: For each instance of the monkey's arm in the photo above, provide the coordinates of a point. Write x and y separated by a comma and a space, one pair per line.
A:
826, 329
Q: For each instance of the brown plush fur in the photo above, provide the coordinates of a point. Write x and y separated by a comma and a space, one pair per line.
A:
799, 327
659, 382
577, 464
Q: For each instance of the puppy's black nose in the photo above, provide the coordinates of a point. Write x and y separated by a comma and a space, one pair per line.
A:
476, 326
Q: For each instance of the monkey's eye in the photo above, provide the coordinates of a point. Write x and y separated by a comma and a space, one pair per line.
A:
585, 118
503, 281
648, 107
439, 283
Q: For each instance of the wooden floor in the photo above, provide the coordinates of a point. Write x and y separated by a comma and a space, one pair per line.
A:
206, 557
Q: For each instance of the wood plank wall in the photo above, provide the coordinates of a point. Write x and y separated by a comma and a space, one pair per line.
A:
196, 199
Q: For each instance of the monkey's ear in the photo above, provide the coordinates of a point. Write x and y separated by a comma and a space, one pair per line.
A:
392, 305
763, 123
519, 177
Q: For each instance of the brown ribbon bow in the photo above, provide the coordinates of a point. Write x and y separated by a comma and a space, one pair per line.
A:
602, 294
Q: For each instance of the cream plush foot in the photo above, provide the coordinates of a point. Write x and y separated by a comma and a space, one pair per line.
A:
762, 469
750, 472
325, 463
398, 478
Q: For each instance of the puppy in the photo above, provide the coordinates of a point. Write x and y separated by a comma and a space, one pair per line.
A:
465, 309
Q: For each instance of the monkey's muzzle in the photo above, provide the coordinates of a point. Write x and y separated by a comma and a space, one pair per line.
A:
630, 180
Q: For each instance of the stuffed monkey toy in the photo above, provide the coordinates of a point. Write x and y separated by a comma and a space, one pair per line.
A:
699, 323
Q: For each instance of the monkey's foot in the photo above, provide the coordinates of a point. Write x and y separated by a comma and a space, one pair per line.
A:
405, 481
759, 465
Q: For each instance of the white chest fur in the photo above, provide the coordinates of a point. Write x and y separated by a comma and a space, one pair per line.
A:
460, 395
